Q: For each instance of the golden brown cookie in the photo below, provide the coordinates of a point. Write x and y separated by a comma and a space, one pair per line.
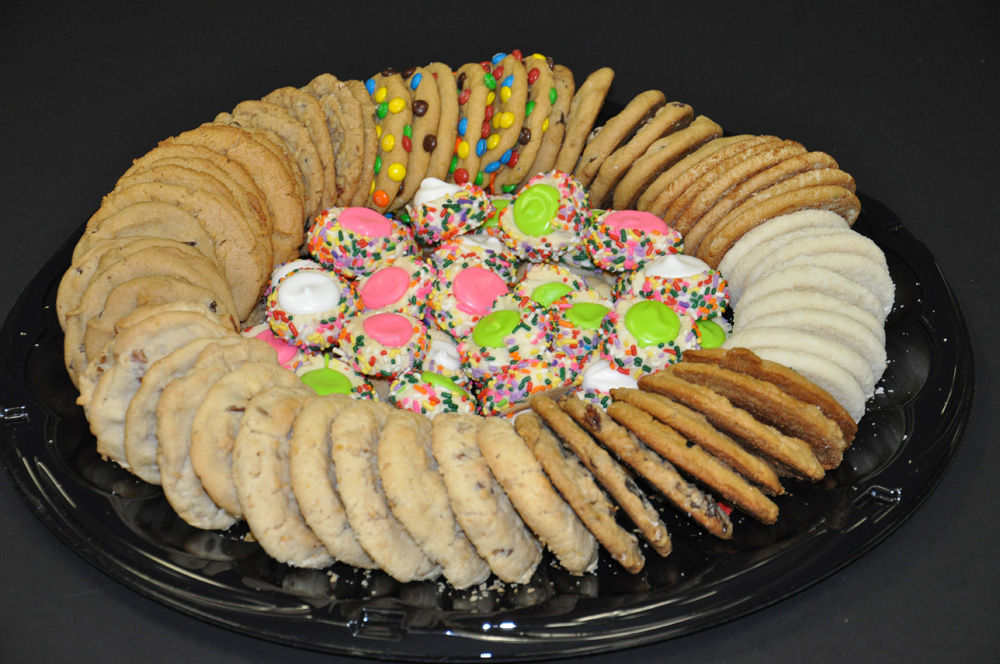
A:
584, 109
394, 113
578, 487
506, 117
608, 137
790, 455
366, 181
693, 426
343, 120
306, 110
531, 492
659, 157
564, 88
660, 473
422, 140
442, 144
616, 481
834, 197
474, 96
667, 119
792, 383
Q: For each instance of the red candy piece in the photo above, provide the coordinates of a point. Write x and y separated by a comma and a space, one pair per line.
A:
498, 72
517, 54
514, 156
461, 176
464, 96
486, 129
489, 112
533, 75
407, 143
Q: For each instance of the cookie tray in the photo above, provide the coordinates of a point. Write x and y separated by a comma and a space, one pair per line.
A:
125, 527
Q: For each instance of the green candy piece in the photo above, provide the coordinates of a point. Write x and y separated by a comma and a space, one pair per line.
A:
548, 293
492, 328
442, 381
494, 220
652, 323
587, 315
327, 381
535, 209
712, 334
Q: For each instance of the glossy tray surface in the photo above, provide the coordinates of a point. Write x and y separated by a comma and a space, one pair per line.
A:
126, 528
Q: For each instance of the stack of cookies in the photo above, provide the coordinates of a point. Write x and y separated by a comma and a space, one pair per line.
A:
173, 267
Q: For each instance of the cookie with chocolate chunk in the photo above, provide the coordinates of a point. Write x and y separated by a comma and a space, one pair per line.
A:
343, 121
425, 110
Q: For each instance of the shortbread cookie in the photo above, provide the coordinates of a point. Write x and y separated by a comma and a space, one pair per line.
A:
578, 488
130, 355
424, 128
542, 95
417, 495
612, 134
354, 454
669, 118
816, 279
769, 404
140, 441
441, 145
791, 455
393, 116
834, 197
564, 89
664, 190
306, 110
791, 382
481, 507
273, 170
584, 109
521, 476
616, 481
660, 473
366, 181
659, 157
261, 478
217, 421
315, 483
694, 427
175, 409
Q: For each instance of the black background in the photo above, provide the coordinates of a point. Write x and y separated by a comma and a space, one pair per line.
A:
904, 98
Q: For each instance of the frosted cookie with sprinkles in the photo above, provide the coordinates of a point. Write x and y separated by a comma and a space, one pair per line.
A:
514, 330
511, 389
576, 320
404, 285
463, 294
531, 493
480, 248
384, 344
352, 240
625, 240
324, 375
358, 430
546, 217
542, 94
314, 482
480, 506
308, 307
443, 357
578, 488
417, 495
684, 283
263, 483
393, 112
441, 211
616, 481
506, 116
428, 393
643, 336
598, 378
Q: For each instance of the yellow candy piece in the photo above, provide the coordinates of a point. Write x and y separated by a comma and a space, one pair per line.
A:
545, 125
495, 122
504, 94
490, 97
380, 94
396, 172
538, 55
371, 190
397, 105
492, 141
463, 150
378, 130
506, 119
388, 141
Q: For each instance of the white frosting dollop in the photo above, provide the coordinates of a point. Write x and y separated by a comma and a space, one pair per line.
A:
675, 266
282, 270
309, 292
600, 377
444, 354
432, 189
485, 241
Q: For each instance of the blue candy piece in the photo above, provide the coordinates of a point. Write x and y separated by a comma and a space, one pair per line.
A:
505, 157
480, 147
498, 58
509, 81
370, 86
492, 167
415, 81
462, 126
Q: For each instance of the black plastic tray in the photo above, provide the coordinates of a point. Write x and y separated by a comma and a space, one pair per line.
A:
125, 528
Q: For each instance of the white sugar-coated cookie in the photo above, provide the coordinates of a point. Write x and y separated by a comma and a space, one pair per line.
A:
814, 279
788, 300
